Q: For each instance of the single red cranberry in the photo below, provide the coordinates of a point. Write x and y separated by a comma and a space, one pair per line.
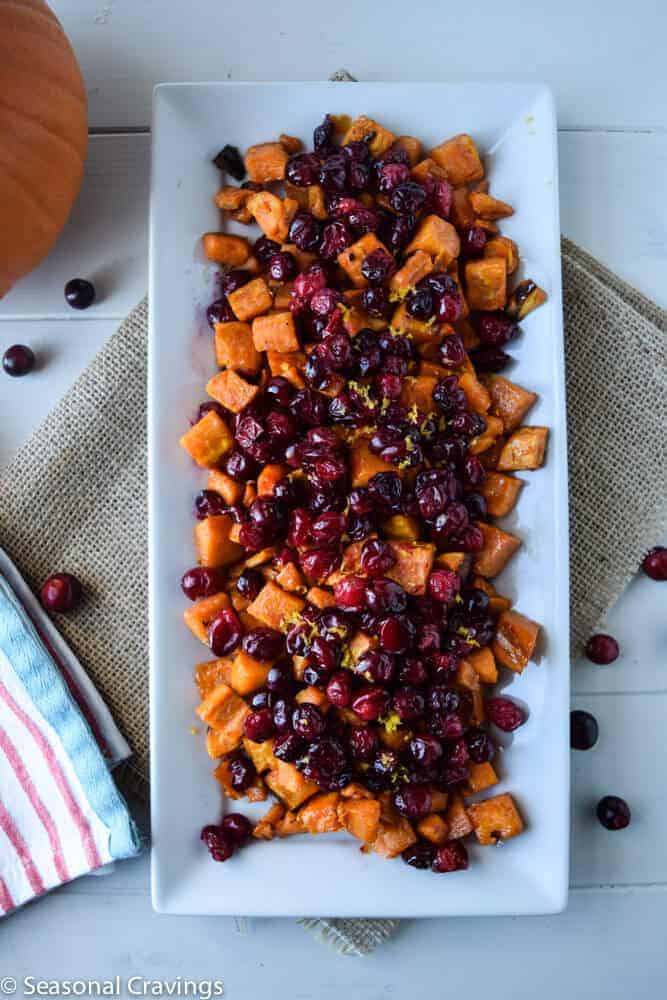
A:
408, 702
376, 666
282, 713
282, 266
420, 303
584, 730
242, 772
602, 649
425, 749
208, 503
444, 585
202, 581
339, 689
389, 386
263, 643
231, 280
264, 248
413, 801
496, 329
350, 593
375, 301
450, 857
377, 557
79, 293
396, 634
489, 359
655, 563
473, 241
318, 564
288, 747
279, 390
452, 351
18, 360
363, 743
237, 827
220, 845
224, 632
249, 583
220, 311
327, 528
407, 197
209, 405
385, 597
259, 726
505, 714
308, 721
371, 704
302, 169
305, 233
280, 677
378, 267
613, 813
419, 855
326, 764
61, 592
480, 746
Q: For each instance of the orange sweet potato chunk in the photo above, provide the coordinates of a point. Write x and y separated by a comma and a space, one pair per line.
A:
272, 605
427, 168
418, 391
225, 249
267, 826
275, 332
360, 817
437, 237
321, 598
224, 712
524, 449
208, 440
266, 162
251, 300
433, 828
461, 212
501, 493
351, 259
248, 674
211, 673
420, 331
290, 366
499, 547
483, 663
272, 214
289, 784
269, 477
488, 207
221, 483
457, 818
459, 159
402, 528
510, 402
412, 147
289, 577
261, 754
486, 283
481, 777
503, 246
495, 819
214, 547
477, 396
234, 348
231, 198
515, 640
201, 613
416, 267
363, 126
364, 464
320, 815
232, 391
414, 561
393, 837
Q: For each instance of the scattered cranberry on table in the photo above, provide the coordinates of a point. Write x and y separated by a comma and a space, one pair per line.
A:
602, 649
450, 857
79, 293
584, 730
61, 592
655, 563
613, 812
18, 360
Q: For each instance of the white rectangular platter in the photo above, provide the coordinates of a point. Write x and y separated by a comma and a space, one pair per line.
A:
515, 128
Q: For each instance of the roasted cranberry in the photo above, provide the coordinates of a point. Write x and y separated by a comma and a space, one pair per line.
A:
471, 539
220, 311
377, 557
376, 666
409, 703
278, 390
339, 689
419, 855
413, 801
413, 672
234, 279
386, 489
239, 466
242, 772
302, 170
305, 232
61, 592
425, 749
584, 730
263, 643
18, 360
376, 303
444, 585
378, 266
237, 827
318, 564
219, 843
325, 763
449, 699
202, 581
79, 293
288, 747
396, 633
613, 812
602, 649
371, 704
333, 172
451, 351
407, 197
309, 407
450, 524
323, 133
480, 746
654, 563
336, 237
362, 219
282, 266
473, 241
505, 714
495, 329
258, 726
350, 593
450, 857
449, 396
363, 743
401, 230
420, 303
390, 175
386, 596
264, 249
224, 632
489, 359
281, 712
208, 503
209, 405
439, 195
308, 721
279, 678
298, 535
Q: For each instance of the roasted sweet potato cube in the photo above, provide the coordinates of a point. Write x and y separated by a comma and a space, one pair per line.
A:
510, 402
259, 558
208, 440
234, 348
290, 366
418, 391
275, 332
321, 598
456, 818
524, 449
437, 237
427, 168
433, 828
488, 207
484, 664
289, 578
251, 300
393, 837
290, 143
201, 613
210, 673
364, 464
414, 561
355, 791
266, 162
501, 493
360, 817
232, 391
495, 819
515, 639
460, 562
503, 246
499, 547
225, 249
402, 528
420, 331
248, 674
526, 297
477, 396
231, 198
320, 815
461, 213
214, 547
459, 159
363, 126
223, 774
289, 825
486, 283
480, 777
221, 483
266, 828
412, 147
313, 696
416, 267
269, 477
351, 259
261, 754
273, 605
486, 440
224, 712
289, 784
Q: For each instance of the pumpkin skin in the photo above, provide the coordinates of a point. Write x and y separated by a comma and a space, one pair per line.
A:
43, 135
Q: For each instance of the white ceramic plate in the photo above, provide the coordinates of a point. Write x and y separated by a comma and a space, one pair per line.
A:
515, 128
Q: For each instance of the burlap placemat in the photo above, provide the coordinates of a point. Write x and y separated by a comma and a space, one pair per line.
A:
74, 496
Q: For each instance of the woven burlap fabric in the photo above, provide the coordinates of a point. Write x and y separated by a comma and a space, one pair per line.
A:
74, 496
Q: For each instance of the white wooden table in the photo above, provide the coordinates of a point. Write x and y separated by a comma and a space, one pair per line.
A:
605, 62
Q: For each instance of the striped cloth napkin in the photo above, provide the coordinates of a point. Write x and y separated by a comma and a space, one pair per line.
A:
61, 815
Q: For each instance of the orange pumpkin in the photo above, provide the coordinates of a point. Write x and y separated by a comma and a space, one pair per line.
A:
43, 134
